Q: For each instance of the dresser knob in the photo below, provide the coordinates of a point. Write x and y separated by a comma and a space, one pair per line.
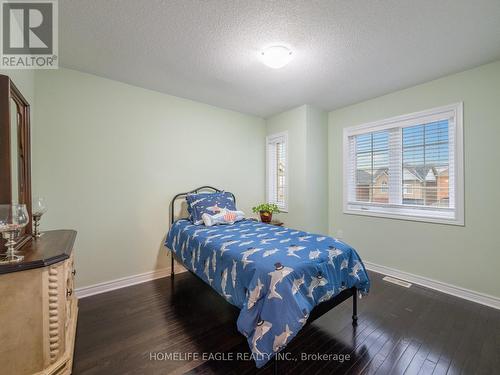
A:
73, 272
69, 292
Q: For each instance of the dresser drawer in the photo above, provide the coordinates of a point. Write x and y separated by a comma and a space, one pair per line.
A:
39, 304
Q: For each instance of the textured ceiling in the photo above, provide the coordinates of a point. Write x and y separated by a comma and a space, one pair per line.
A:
345, 51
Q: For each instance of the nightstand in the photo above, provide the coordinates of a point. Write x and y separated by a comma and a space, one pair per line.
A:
276, 222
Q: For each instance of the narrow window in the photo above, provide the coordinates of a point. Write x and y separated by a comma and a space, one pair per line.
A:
277, 170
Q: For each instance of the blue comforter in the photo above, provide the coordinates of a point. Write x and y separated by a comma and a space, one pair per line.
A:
274, 275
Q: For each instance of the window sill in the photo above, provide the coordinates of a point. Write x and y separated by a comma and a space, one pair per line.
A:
407, 217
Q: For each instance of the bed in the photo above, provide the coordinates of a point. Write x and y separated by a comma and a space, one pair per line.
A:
279, 278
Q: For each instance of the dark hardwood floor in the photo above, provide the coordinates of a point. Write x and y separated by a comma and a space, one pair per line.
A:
400, 330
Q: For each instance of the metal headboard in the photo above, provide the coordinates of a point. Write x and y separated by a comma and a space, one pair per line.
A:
195, 191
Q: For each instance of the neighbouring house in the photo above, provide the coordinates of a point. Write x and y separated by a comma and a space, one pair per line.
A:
420, 186
376, 192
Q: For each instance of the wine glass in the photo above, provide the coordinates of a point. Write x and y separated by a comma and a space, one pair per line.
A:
13, 217
39, 208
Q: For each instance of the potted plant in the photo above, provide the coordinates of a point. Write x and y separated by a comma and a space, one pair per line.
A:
266, 211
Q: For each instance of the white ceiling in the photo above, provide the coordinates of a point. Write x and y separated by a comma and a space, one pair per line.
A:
345, 51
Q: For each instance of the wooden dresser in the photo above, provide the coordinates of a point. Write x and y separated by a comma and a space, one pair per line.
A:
38, 308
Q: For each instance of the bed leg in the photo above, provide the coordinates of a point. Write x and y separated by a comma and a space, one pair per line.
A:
172, 265
355, 307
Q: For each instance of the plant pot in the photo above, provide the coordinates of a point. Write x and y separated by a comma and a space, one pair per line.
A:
266, 216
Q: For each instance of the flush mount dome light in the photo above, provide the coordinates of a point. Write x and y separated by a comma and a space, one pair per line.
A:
276, 56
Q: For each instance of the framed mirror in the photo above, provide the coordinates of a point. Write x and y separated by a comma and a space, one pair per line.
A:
15, 158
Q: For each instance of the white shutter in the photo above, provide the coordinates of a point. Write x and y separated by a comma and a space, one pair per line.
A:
351, 175
277, 170
395, 170
406, 167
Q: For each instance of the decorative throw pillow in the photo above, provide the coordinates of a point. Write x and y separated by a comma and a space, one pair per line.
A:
210, 203
223, 217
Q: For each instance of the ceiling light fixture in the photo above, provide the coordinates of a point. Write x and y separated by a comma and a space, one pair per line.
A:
276, 56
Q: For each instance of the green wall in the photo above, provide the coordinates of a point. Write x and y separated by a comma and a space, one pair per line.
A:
307, 129
316, 180
24, 81
466, 256
293, 122
109, 157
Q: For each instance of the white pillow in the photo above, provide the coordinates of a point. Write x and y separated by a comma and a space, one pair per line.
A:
222, 217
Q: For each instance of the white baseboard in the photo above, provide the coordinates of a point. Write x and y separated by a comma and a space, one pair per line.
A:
123, 282
483, 299
440, 286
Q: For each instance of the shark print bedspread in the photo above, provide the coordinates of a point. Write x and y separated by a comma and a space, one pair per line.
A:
274, 275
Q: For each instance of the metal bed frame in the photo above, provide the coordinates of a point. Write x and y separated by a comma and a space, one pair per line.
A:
318, 311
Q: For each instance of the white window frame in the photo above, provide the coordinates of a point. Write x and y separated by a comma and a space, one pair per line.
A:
407, 212
270, 170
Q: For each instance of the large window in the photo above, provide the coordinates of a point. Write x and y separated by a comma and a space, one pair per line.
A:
277, 170
408, 167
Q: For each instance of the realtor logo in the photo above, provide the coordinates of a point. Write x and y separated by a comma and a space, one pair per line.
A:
29, 34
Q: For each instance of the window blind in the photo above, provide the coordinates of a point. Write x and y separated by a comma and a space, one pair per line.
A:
405, 166
277, 172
